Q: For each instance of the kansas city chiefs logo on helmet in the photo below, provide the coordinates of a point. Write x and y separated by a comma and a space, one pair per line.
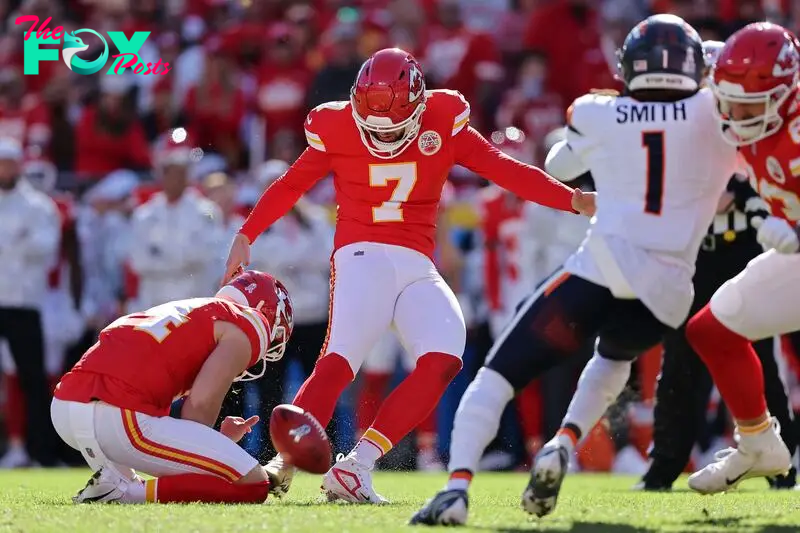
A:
787, 61
416, 84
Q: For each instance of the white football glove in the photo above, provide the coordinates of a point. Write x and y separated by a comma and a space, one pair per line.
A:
779, 234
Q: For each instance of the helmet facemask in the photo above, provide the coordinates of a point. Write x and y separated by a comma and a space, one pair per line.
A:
372, 126
747, 131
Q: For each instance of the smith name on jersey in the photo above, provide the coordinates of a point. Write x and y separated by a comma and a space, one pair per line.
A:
659, 169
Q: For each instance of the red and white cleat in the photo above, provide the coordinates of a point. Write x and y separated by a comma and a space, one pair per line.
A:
350, 481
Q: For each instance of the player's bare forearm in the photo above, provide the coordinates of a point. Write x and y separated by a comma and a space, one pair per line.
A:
526, 181
282, 194
223, 365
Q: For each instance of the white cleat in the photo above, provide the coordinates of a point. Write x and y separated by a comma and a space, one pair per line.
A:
103, 487
350, 481
760, 455
280, 476
447, 508
550, 466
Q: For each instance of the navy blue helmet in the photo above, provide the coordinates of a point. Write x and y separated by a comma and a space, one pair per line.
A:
662, 52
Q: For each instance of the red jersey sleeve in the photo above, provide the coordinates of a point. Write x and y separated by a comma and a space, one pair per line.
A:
526, 181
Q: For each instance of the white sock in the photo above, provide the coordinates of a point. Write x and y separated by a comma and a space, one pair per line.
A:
478, 418
600, 384
457, 484
367, 450
134, 493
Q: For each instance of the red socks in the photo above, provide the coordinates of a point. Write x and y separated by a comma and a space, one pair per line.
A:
529, 407
416, 396
732, 362
320, 392
370, 397
188, 488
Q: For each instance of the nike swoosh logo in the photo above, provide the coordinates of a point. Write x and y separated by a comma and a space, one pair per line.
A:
737, 478
97, 498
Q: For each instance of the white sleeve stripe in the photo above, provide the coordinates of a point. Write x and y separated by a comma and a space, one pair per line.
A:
461, 121
259, 327
464, 114
314, 141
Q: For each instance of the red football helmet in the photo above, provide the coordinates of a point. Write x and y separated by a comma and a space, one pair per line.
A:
269, 297
388, 99
759, 64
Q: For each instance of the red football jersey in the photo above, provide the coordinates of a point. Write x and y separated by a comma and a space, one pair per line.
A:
396, 201
145, 361
773, 166
502, 216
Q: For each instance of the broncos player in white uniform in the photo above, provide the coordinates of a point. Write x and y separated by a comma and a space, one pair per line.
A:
659, 164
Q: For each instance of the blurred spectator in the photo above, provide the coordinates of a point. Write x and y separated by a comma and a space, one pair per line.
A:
103, 227
335, 78
568, 33
62, 325
221, 189
455, 57
296, 250
172, 235
164, 115
29, 236
282, 84
23, 116
109, 135
215, 107
528, 105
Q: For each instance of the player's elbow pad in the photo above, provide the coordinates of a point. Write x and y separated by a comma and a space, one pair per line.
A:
562, 163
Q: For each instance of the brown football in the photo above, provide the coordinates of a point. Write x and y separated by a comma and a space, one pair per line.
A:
300, 439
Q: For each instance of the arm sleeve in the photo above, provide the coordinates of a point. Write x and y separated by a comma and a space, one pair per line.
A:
312, 165
563, 163
526, 181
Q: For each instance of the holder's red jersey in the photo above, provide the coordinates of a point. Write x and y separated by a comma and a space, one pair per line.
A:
773, 166
144, 361
396, 201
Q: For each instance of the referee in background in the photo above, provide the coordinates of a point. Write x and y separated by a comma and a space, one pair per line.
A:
685, 385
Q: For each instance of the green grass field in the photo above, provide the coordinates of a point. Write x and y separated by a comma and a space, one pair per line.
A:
39, 500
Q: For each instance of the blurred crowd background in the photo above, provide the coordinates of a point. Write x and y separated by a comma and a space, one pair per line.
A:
152, 176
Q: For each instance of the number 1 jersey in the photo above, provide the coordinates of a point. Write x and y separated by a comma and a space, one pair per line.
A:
659, 169
144, 361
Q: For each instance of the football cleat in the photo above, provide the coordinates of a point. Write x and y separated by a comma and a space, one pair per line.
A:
447, 508
101, 488
760, 455
280, 476
550, 466
350, 481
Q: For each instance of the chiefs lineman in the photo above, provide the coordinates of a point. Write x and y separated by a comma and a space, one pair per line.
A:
113, 405
390, 149
755, 81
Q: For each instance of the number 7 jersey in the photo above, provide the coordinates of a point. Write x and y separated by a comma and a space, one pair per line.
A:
396, 201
